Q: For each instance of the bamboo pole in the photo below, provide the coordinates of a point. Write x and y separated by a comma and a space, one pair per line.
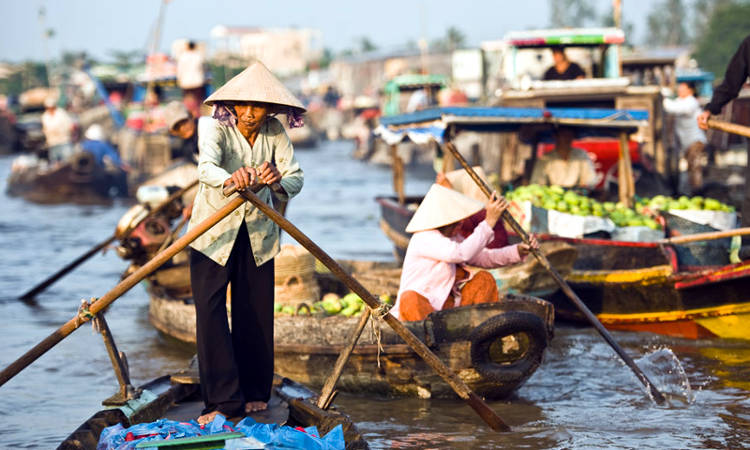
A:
626, 185
398, 174
121, 288
729, 127
489, 416
31, 293
705, 236
657, 396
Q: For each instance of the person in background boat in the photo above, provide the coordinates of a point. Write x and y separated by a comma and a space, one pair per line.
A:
183, 125
246, 145
566, 165
154, 113
735, 77
433, 276
563, 68
467, 226
692, 139
191, 77
58, 128
95, 142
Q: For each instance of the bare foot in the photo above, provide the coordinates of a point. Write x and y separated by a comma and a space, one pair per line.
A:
207, 418
255, 406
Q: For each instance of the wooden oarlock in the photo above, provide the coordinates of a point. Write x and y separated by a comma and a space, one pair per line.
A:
489, 416
657, 396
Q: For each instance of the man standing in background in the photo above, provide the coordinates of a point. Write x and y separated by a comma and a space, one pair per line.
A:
191, 78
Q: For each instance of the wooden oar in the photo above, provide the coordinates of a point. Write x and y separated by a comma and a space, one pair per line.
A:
706, 236
31, 293
121, 288
489, 416
729, 127
657, 396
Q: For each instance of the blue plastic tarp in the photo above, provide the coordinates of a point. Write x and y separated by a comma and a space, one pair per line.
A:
271, 436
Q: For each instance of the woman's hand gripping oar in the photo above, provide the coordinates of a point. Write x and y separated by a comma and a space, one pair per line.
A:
489, 416
121, 288
31, 293
657, 396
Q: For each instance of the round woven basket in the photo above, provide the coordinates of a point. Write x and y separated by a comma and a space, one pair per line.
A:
294, 276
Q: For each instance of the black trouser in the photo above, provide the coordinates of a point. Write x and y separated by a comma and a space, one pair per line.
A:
235, 367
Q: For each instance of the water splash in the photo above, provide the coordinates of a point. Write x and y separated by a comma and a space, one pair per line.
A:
665, 371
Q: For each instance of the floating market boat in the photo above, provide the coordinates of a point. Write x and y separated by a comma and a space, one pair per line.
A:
534, 124
178, 398
79, 179
640, 286
494, 348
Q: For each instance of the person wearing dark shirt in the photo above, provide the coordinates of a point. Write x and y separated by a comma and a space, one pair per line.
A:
736, 74
183, 125
563, 69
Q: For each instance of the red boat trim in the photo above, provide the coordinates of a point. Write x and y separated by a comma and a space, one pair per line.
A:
724, 274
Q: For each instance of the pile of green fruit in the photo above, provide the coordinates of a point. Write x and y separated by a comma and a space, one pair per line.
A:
331, 304
697, 203
558, 199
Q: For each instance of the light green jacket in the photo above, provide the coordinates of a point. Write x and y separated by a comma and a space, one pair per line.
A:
223, 150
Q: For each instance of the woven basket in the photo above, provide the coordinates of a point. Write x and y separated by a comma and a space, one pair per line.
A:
294, 276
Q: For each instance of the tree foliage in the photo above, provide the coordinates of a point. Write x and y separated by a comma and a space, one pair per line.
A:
726, 27
571, 13
666, 24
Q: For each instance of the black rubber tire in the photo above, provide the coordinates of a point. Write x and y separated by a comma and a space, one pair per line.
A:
83, 163
503, 325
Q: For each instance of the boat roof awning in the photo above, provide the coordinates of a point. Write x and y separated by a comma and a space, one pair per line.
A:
574, 37
432, 124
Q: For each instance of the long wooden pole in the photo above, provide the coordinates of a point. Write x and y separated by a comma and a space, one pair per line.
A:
729, 127
657, 396
121, 288
706, 236
327, 392
31, 293
489, 416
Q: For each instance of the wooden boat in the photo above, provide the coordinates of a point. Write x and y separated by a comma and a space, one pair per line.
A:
640, 286
178, 398
77, 180
306, 346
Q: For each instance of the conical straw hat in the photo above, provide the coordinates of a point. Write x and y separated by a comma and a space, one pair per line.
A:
442, 206
255, 84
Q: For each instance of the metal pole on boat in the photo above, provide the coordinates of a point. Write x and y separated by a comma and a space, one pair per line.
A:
489, 416
657, 396
125, 285
31, 293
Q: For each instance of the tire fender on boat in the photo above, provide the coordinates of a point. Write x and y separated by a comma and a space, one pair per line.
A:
497, 327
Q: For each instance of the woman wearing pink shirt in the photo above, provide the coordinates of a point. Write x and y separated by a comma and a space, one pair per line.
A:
433, 278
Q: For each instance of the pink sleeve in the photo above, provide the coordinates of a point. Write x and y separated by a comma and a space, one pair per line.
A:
435, 246
496, 257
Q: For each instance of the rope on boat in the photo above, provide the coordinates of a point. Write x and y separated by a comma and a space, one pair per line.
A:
84, 315
376, 315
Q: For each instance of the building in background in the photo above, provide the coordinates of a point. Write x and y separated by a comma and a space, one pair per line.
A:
285, 51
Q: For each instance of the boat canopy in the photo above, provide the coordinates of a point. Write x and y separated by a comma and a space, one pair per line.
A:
432, 124
566, 37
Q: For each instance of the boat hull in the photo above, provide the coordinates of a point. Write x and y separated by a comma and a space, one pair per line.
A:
640, 287
306, 347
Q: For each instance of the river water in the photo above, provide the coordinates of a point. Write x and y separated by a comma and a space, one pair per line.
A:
581, 397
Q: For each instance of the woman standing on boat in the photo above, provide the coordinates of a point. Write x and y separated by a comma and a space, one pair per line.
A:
245, 145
